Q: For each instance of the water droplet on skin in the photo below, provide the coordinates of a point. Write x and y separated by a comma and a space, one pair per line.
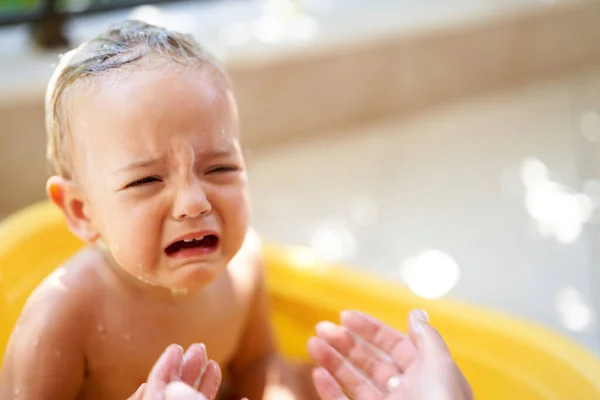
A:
58, 353
17, 391
127, 337
147, 282
179, 292
102, 331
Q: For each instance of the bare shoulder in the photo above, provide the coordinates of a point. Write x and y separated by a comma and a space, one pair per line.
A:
65, 295
44, 356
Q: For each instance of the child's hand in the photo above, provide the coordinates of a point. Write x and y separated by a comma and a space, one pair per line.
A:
176, 373
412, 368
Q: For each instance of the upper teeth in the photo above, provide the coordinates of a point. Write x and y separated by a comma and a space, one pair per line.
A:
191, 240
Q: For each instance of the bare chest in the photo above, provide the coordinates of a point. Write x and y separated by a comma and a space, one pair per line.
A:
127, 341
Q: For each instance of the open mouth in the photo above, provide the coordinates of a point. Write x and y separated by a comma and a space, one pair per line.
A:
206, 243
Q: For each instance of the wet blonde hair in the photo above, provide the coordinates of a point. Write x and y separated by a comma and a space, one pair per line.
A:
122, 45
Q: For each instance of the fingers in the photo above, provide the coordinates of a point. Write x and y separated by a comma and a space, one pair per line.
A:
425, 337
166, 369
358, 352
391, 341
210, 381
195, 362
434, 350
341, 369
194, 368
327, 387
181, 391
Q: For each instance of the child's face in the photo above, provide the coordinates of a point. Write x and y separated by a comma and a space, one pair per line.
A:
159, 162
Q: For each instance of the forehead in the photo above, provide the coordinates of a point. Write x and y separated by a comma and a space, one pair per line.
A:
152, 110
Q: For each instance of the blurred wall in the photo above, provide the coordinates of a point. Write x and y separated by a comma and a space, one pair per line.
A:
492, 199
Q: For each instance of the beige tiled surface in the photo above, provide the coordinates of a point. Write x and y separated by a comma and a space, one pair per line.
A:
449, 179
403, 72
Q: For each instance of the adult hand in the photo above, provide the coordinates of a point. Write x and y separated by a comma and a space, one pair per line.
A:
372, 361
179, 376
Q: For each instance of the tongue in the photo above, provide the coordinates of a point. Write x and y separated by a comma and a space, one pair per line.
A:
189, 245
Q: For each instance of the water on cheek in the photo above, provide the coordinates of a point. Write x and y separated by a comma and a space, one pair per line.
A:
113, 250
138, 271
139, 276
116, 253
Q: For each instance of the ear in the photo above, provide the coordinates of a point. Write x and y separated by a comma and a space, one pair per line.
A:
68, 197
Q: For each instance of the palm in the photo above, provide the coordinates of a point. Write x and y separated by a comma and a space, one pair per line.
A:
362, 348
372, 361
193, 368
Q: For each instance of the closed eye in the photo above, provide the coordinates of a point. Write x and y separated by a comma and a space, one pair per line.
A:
223, 168
143, 181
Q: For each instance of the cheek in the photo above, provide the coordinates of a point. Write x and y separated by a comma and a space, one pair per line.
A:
234, 212
234, 206
133, 232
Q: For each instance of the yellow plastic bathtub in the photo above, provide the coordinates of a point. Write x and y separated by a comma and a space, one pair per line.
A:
503, 357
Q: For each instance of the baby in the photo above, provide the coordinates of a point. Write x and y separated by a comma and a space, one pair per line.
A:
144, 138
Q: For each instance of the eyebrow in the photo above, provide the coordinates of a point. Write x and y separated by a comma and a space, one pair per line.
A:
140, 164
215, 153
145, 163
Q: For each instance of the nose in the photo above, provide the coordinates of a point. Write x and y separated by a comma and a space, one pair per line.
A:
191, 202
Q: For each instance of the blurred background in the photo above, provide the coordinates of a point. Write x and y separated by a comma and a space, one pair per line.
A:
452, 146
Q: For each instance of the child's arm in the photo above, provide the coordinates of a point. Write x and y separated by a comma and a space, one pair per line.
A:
44, 357
258, 372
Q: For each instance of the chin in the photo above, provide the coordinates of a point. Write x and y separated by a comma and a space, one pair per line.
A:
196, 276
